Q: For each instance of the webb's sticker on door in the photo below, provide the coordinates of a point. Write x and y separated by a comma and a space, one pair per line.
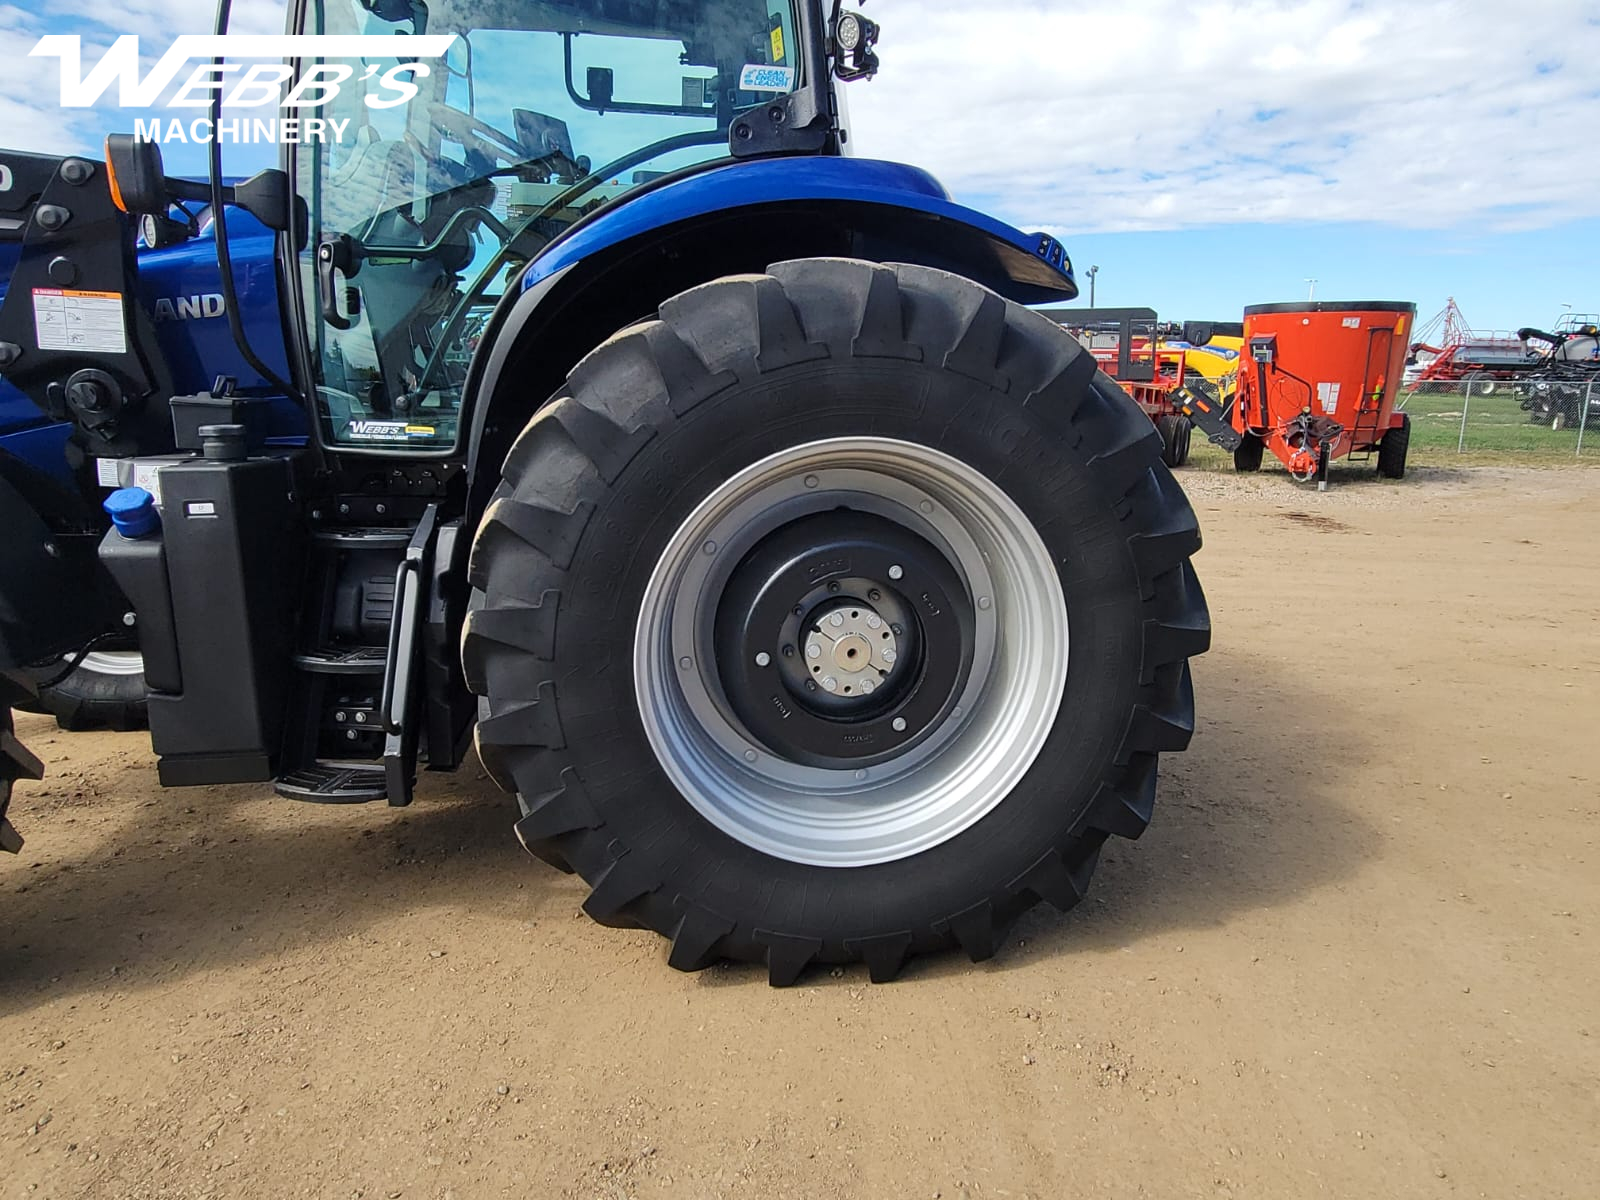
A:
86, 321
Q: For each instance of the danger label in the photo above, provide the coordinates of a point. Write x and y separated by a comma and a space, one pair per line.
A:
90, 322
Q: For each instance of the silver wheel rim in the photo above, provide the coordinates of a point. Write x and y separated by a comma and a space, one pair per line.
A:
113, 662
955, 773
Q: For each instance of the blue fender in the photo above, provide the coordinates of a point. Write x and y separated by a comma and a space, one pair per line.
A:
620, 262
1030, 268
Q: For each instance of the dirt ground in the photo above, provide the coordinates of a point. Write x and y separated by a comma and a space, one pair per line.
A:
1354, 956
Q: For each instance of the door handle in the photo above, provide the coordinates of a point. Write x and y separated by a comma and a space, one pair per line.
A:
336, 256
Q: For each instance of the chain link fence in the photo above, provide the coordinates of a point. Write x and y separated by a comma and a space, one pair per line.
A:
1549, 419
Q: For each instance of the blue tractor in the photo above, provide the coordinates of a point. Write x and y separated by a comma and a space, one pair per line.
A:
817, 600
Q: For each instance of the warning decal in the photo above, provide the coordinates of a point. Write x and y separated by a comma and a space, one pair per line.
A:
90, 322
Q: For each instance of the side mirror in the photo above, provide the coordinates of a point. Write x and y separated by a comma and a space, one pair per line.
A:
138, 180
602, 85
139, 186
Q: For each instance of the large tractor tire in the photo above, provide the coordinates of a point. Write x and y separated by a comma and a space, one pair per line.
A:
105, 691
840, 614
1392, 449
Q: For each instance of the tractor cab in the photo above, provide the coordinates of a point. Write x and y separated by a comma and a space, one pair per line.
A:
425, 210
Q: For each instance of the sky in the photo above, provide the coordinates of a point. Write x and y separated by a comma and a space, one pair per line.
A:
1205, 155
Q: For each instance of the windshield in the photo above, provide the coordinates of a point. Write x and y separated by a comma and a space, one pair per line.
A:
538, 114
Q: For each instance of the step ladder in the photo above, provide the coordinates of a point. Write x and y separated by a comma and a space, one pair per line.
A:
1364, 432
352, 730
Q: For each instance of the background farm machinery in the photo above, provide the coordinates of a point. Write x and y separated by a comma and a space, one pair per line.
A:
1562, 391
1551, 372
1179, 375
1311, 382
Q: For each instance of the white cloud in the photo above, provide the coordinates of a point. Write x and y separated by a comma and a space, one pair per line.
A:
1078, 116
31, 116
1073, 117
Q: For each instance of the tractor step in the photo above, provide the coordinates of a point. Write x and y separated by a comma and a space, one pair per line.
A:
354, 660
366, 538
355, 708
334, 783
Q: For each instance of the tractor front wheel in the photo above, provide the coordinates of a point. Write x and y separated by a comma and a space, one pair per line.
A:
839, 614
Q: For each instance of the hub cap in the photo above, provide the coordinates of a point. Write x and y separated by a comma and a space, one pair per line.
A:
851, 651
849, 648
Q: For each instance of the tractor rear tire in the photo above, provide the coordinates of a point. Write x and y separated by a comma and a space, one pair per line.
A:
1247, 456
1176, 431
105, 691
710, 490
1392, 449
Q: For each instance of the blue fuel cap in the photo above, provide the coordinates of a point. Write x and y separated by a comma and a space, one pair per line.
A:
133, 512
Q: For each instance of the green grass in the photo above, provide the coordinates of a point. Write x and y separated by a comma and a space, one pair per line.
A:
1499, 433
1497, 428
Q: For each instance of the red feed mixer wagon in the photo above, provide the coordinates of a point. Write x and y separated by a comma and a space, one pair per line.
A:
1317, 382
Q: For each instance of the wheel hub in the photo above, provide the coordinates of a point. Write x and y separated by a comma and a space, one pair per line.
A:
850, 650
857, 668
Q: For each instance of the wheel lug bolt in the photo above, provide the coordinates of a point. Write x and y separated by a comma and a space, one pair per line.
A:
836, 620
899, 724
868, 687
763, 659
830, 683
750, 756
874, 622
983, 602
686, 663
896, 571
813, 651
889, 656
